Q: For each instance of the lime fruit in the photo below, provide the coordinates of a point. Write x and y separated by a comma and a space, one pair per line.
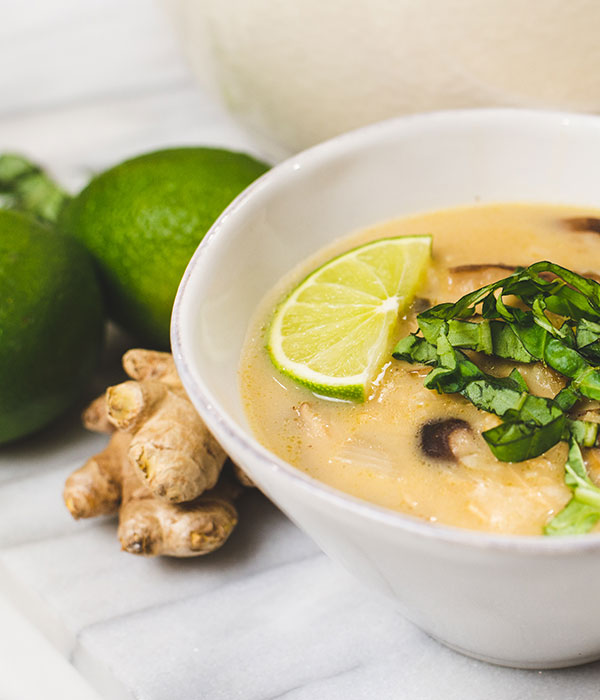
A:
334, 329
142, 221
51, 323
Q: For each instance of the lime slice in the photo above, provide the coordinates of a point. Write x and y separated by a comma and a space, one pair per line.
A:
333, 331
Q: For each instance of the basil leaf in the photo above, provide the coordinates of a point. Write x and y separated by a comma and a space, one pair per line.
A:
583, 510
584, 432
415, 350
576, 518
571, 294
530, 424
490, 337
517, 441
517, 377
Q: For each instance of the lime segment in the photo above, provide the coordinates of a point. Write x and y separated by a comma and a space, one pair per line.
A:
333, 331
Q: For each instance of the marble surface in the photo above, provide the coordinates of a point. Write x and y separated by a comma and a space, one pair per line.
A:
83, 84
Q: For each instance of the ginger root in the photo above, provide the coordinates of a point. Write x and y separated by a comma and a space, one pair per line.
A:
159, 470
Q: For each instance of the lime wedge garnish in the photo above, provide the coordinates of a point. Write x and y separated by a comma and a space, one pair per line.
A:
333, 331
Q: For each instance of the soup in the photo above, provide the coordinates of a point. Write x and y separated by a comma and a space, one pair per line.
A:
408, 448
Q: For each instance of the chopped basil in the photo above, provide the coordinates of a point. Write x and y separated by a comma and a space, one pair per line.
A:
481, 321
582, 512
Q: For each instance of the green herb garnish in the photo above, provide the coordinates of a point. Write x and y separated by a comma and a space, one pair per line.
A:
568, 341
582, 512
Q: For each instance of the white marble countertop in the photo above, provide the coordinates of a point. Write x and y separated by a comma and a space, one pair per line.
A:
83, 84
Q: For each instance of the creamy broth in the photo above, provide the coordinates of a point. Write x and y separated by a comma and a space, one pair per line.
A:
373, 450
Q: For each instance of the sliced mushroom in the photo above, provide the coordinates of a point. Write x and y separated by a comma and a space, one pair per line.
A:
583, 224
482, 267
420, 304
435, 437
465, 278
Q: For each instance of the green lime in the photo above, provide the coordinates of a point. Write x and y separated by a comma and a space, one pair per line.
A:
334, 330
143, 219
51, 323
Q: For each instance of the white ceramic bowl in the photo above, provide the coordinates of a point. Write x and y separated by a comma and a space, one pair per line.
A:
519, 601
295, 73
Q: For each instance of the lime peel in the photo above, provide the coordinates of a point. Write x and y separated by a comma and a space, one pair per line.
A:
332, 332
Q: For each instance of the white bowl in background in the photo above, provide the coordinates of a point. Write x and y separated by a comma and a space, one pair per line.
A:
521, 601
296, 73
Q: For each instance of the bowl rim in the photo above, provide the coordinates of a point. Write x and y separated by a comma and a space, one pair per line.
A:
209, 406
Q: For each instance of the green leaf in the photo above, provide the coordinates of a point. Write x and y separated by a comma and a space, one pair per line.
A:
567, 398
583, 510
490, 337
584, 432
475, 336
517, 441
571, 294
576, 518
507, 344
415, 350
517, 377
530, 424
587, 333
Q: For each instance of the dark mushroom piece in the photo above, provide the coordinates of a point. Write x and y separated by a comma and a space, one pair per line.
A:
481, 267
420, 304
465, 278
434, 437
583, 224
